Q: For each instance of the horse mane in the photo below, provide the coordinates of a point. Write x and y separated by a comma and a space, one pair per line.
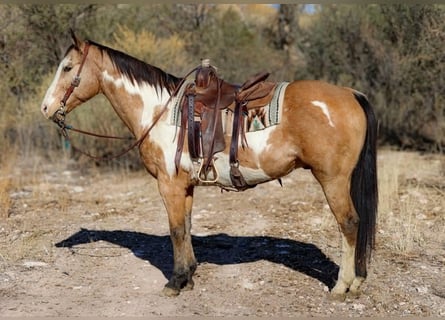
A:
139, 71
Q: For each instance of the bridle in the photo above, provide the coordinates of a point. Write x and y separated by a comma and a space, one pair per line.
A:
60, 115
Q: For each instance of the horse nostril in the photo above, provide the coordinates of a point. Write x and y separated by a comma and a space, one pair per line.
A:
45, 108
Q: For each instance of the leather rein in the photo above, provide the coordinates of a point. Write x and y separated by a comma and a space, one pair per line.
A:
60, 115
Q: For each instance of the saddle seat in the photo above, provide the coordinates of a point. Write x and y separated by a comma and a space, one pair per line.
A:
255, 92
201, 113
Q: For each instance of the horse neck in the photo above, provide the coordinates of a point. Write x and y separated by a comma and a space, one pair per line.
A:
136, 103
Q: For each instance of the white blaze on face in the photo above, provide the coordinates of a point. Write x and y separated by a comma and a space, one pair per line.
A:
162, 133
324, 107
50, 98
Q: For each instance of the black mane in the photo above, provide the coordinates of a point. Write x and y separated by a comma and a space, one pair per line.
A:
139, 71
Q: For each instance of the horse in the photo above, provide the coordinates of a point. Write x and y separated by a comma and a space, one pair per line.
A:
327, 129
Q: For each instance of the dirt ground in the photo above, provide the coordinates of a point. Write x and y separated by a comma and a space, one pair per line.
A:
82, 242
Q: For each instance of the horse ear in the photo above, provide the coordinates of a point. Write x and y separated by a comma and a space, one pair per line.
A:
76, 41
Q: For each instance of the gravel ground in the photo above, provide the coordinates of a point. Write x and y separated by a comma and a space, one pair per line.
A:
89, 241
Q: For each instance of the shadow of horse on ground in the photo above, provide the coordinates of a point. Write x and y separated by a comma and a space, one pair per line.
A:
219, 249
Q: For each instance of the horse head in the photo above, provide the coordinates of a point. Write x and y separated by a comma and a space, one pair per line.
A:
75, 82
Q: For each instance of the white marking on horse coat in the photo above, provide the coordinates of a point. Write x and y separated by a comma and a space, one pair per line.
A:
324, 107
163, 134
149, 95
49, 98
252, 176
257, 142
166, 137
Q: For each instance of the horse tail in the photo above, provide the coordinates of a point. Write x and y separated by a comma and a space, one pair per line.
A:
364, 191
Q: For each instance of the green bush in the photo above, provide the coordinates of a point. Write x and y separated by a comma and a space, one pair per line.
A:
393, 53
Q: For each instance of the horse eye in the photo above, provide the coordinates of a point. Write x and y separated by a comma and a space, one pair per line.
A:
67, 68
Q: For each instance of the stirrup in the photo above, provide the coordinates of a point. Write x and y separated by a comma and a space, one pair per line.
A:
202, 176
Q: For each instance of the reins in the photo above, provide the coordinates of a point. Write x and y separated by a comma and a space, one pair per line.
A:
64, 128
60, 115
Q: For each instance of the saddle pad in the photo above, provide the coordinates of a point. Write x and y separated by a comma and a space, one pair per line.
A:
176, 102
262, 117
270, 114
258, 119
276, 103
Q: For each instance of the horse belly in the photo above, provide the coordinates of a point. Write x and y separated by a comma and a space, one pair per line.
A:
252, 176
264, 159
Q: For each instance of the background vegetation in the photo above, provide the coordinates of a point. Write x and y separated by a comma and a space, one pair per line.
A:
393, 53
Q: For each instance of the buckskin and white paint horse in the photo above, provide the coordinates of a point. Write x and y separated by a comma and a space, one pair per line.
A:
328, 129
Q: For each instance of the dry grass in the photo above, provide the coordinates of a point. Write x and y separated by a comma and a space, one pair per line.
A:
389, 173
406, 232
411, 199
7, 162
5, 199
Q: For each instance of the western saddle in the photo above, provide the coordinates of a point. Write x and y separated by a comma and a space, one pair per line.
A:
201, 116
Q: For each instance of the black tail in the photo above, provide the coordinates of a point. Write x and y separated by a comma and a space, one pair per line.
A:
364, 191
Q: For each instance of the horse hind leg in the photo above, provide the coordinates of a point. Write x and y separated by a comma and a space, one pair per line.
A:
338, 196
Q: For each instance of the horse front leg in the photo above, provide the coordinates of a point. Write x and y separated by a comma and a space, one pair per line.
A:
177, 196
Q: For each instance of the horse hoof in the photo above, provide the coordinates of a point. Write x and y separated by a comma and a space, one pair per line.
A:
170, 292
354, 293
189, 286
339, 297
338, 293
354, 289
